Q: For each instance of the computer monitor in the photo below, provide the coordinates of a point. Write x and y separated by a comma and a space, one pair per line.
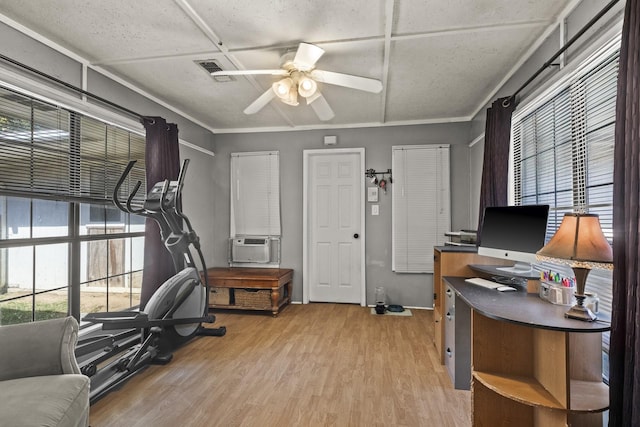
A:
514, 233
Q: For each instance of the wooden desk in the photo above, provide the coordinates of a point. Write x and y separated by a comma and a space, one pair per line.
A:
451, 261
251, 288
531, 366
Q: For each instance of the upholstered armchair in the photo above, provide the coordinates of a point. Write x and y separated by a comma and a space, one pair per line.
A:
40, 382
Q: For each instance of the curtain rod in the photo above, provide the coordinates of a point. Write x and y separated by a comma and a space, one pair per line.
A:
72, 87
546, 65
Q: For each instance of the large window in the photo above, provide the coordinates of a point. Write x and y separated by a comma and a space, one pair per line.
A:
563, 154
64, 248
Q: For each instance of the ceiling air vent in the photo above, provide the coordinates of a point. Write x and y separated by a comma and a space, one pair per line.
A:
210, 66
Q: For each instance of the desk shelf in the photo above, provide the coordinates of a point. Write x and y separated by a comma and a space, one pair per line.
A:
586, 396
525, 390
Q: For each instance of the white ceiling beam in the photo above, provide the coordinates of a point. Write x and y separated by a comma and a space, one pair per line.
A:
209, 54
388, 31
474, 29
346, 126
223, 51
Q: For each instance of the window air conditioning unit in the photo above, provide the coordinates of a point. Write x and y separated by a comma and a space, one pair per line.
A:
250, 249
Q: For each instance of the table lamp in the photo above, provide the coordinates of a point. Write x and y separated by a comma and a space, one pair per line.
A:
579, 243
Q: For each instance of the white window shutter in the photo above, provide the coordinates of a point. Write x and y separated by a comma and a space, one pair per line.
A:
421, 205
255, 194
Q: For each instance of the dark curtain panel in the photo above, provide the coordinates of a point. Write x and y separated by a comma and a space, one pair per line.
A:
495, 167
624, 350
162, 159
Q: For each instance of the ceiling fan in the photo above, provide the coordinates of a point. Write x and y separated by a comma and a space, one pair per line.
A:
300, 77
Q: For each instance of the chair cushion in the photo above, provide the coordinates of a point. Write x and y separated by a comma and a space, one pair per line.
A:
48, 401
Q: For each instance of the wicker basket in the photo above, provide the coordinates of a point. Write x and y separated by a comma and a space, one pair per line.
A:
219, 296
254, 298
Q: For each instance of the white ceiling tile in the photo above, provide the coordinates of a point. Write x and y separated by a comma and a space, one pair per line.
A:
107, 30
440, 77
437, 15
248, 23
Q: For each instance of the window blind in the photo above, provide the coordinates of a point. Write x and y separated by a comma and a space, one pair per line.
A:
49, 152
255, 194
420, 205
563, 156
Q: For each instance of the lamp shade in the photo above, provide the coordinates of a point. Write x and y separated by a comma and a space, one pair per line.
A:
579, 239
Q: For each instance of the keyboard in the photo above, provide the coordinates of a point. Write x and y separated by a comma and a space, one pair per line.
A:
478, 281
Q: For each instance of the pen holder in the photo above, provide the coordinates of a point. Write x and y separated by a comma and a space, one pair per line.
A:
557, 294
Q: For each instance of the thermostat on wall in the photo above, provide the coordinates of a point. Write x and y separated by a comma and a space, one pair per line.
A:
372, 194
330, 140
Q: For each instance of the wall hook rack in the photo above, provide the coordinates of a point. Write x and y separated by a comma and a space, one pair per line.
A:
372, 175
372, 172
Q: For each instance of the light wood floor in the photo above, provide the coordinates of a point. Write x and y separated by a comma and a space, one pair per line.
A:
313, 365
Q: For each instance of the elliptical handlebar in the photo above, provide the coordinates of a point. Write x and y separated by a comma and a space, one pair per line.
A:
130, 199
183, 173
116, 190
163, 195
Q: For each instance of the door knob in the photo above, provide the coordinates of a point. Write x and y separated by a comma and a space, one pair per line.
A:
355, 236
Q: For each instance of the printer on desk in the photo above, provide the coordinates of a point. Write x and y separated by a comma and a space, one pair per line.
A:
461, 238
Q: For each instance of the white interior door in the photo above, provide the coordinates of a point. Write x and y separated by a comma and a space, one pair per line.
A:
334, 224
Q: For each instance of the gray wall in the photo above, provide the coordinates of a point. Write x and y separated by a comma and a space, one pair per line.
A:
476, 156
198, 198
405, 289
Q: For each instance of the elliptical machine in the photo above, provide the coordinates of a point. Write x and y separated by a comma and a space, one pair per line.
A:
174, 313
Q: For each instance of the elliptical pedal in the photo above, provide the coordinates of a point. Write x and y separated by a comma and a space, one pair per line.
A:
162, 359
212, 332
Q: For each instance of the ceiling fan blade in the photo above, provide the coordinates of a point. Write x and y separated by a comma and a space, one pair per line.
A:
307, 56
321, 107
259, 103
275, 72
347, 80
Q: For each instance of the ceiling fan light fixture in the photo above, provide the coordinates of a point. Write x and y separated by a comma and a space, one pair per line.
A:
283, 87
292, 99
299, 77
307, 87
286, 90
